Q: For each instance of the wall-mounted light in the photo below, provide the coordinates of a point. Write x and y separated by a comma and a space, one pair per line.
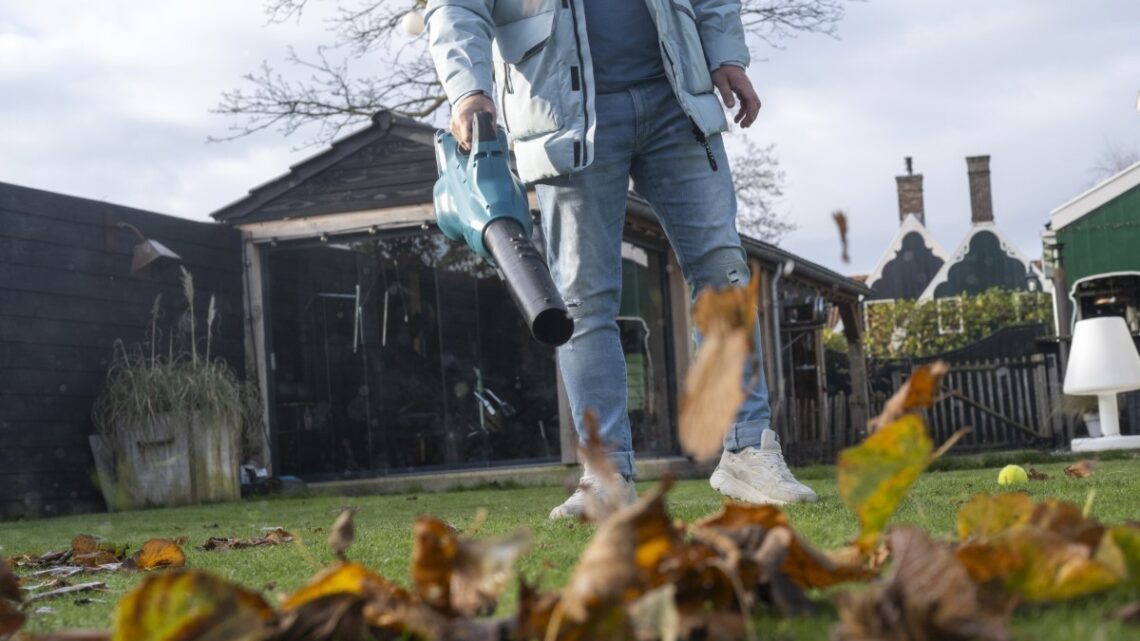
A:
147, 251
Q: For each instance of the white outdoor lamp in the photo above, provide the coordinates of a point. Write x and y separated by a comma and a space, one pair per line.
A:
1103, 362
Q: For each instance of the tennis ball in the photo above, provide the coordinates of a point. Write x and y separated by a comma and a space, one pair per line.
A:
1012, 475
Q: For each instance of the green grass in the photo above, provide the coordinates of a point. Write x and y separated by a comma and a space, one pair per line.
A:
384, 539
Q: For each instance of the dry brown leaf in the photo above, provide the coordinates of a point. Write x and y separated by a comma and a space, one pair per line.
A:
1128, 614
608, 495
714, 385
927, 597
456, 575
1037, 475
840, 219
72, 635
805, 565
89, 551
1082, 469
342, 533
11, 618
917, 393
277, 536
622, 560
156, 553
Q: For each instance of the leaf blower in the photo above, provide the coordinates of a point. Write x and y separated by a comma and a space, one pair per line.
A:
480, 201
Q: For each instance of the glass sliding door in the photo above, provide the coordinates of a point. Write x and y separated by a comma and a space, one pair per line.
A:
400, 353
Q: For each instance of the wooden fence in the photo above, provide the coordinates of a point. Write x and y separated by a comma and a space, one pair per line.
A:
1009, 403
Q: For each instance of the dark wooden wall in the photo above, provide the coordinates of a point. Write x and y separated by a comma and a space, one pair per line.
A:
66, 295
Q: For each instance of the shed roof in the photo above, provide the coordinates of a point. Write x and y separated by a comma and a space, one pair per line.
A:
387, 164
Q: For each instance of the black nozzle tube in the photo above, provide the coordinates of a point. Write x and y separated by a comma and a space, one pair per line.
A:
529, 282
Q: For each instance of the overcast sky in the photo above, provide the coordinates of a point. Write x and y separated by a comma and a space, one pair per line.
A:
110, 100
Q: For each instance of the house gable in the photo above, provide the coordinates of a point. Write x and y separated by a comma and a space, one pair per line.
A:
907, 266
984, 260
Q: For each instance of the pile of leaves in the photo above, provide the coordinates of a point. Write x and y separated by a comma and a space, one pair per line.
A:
646, 577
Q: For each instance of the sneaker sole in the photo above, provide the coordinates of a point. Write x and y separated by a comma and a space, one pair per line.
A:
734, 488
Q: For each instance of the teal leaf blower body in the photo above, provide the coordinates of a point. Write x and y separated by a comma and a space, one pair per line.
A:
480, 201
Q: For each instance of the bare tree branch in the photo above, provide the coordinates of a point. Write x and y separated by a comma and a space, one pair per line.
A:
370, 64
759, 186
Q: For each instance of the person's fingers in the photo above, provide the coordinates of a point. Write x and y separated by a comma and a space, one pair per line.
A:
749, 104
725, 88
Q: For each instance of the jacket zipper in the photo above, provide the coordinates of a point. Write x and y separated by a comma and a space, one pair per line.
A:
507, 88
701, 138
582, 66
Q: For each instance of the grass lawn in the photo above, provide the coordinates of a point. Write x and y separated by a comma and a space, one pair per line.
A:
383, 540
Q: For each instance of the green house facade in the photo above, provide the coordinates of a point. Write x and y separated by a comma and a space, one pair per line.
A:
1092, 252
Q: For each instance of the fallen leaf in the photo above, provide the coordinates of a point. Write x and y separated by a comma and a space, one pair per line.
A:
1082, 469
655, 617
342, 533
277, 536
875, 475
457, 575
714, 385
805, 565
89, 551
917, 393
156, 553
927, 596
987, 515
621, 562
1036, 475
1119, 550
608, 495
1128, 614
11, 618
1068, 521
1037, 564
73, 635
190, 605
840, 219
343, 578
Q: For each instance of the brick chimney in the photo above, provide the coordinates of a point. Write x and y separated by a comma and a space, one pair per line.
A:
981, 200
910, 193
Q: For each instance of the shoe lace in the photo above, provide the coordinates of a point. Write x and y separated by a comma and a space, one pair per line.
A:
774, 461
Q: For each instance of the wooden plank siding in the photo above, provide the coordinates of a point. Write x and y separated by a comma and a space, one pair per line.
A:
66, 295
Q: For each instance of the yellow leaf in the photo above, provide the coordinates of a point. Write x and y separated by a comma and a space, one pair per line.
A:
986, 514
1119, 550
342, 578
875, 475
190, 605
157, 553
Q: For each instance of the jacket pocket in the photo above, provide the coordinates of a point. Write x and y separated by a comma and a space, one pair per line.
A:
688, 55
530, 86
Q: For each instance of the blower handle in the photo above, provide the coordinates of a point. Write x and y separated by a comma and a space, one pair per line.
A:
483, 127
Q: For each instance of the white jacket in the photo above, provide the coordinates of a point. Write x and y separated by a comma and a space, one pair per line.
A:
536, 52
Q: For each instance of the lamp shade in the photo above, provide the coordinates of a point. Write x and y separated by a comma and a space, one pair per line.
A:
1102, 359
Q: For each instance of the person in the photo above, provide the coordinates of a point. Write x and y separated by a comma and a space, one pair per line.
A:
594, 94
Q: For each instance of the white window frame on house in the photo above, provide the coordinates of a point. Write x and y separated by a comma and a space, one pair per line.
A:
944, 328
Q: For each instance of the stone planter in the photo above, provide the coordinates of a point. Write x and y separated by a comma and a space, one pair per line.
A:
215, 459
178, 459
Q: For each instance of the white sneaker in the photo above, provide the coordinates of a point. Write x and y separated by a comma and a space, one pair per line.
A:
759, 475
575, 506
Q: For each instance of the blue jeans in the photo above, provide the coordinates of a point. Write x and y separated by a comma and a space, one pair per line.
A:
641, 133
